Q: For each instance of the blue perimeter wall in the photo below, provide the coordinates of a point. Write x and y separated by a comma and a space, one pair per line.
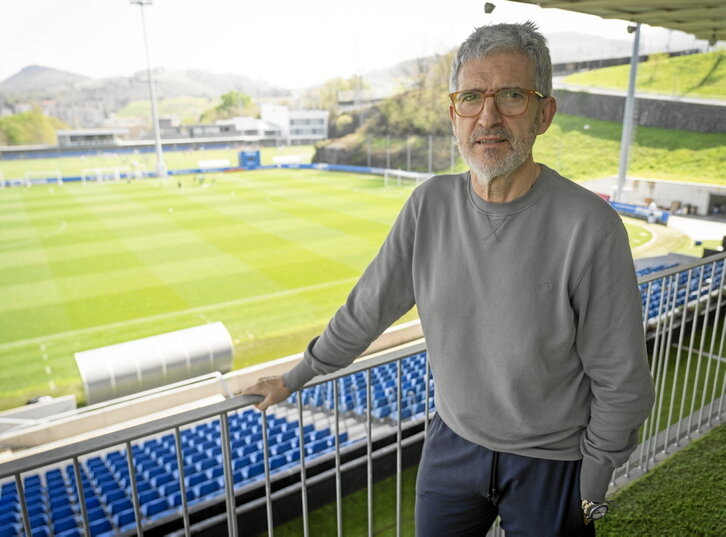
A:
626, 209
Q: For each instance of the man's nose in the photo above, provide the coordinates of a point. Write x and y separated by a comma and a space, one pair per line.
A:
489, 114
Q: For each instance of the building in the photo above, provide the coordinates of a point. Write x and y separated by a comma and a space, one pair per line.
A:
297, 126
251, 126
90, 137
171, 129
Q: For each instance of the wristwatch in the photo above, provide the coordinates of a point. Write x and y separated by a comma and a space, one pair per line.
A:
594, 510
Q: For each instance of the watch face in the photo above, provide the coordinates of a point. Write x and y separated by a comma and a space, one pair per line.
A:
598, 512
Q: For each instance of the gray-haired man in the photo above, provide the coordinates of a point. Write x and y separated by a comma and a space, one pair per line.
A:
529, 303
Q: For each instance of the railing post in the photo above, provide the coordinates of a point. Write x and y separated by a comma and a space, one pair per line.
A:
182, 484
303, 476
228, 476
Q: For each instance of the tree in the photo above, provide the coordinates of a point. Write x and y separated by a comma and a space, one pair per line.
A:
234, 104
32, 127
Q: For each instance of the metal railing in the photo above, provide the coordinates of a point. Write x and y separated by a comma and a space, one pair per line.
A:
379, 412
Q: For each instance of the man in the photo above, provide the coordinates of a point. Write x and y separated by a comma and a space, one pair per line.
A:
529, 303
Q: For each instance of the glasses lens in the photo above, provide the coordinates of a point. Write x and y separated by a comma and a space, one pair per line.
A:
511, 102
468, 103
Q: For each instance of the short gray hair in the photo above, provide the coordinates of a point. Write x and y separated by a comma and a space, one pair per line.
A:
525, 37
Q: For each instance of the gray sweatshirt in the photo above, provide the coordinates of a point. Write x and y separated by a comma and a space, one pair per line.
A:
531, 314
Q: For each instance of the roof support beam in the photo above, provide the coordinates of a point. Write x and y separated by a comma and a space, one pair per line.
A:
628, 116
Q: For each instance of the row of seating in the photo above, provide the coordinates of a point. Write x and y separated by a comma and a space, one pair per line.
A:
53, 498
353, 391
665, 294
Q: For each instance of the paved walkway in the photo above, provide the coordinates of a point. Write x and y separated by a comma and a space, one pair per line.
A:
697, 228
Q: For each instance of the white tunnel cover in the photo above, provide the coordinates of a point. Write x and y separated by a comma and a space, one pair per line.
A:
142, 364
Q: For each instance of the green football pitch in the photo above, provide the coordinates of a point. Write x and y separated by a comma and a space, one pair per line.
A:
272, 254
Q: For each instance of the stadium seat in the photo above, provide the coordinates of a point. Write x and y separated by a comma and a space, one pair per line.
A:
69, 533
100, 527
151, 509
125, 518
148, 496
10, 530
120, 505
113, 495
176, 498
40, 531
64, 524
208, 488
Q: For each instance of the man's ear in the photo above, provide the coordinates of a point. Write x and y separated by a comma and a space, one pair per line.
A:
547, 111
452, 115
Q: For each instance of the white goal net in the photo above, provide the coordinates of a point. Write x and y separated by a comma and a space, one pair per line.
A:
43, 176
99, 175
399, 177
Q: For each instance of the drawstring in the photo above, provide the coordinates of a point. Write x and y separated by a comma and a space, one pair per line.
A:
493, 492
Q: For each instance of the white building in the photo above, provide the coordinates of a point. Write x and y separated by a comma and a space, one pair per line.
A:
297, 126
258, 129
89, 137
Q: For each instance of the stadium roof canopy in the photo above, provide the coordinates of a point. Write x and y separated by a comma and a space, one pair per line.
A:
706, 19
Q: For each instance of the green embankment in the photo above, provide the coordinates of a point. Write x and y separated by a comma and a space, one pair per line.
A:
187, 108
697, 75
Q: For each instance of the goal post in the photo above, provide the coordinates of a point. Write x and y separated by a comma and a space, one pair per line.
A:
113, 173
399, 177
43, 176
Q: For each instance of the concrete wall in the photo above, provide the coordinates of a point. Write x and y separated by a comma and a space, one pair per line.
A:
661, 113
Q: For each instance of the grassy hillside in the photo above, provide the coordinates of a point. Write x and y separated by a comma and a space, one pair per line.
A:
697, 75
582, 148
188, 109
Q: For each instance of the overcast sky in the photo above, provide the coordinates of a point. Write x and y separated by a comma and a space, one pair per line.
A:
291, 43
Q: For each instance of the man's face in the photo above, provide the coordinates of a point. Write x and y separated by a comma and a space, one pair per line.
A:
494, 145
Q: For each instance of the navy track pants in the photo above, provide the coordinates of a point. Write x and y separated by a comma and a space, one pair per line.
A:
461, 488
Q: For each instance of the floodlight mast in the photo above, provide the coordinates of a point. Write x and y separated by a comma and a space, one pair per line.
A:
160, 165
628, 116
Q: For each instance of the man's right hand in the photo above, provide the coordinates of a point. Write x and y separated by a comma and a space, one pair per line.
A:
273, 390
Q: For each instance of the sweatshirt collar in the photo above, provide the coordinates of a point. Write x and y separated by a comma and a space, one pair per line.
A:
541, 185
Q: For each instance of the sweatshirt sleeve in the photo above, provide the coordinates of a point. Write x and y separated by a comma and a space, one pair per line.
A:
611, 345
382, 295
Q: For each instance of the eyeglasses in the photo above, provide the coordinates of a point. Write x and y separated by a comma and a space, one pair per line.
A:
509, 102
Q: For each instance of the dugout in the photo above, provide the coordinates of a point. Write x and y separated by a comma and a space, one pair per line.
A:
143, 364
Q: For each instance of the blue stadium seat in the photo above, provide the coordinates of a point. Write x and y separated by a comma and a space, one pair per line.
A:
69, 533
148, 496
100, 527
176, 498
113, 495
40, 531
39, 520
61, 512
253, 470
64, 524
120, 505
124, 519
10, 530
151, 509
208, 488
12, 517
